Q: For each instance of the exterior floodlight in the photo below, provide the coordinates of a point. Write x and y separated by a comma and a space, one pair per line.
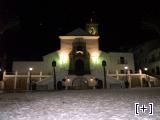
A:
30, 69
91, 80
126, 67
68, 80
145, 69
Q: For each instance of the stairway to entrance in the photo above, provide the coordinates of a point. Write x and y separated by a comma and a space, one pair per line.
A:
79, 83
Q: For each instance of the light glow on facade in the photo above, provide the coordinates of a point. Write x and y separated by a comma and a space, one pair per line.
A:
81, 52
63, 57
95, 57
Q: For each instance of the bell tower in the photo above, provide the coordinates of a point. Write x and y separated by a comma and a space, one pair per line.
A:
92, 27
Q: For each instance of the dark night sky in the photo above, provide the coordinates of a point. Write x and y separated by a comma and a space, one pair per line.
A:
34, 27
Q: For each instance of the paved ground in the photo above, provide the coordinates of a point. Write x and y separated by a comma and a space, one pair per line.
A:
112, 104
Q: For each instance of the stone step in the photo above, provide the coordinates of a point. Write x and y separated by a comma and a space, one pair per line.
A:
80, 83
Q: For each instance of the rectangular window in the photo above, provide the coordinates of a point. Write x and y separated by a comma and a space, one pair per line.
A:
122, 60
79, 48
131, 71
122, 71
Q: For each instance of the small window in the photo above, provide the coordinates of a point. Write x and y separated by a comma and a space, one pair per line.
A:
122, 71
131, 71
122, 60
79, 48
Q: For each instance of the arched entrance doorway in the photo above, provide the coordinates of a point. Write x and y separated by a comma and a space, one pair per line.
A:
79, 67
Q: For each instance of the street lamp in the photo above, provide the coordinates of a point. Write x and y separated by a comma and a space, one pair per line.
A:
126, 67
30, 81
145, 71
126, 81
30, 69
104, 69
54, 74
147, 77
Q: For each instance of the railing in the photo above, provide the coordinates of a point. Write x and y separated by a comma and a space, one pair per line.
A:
16, 81
15, 74
13, 81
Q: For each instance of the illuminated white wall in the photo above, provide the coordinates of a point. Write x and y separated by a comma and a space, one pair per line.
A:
96, 67
115, 58
62, 59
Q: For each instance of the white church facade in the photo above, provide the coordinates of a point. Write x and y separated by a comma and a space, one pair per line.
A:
79, 59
